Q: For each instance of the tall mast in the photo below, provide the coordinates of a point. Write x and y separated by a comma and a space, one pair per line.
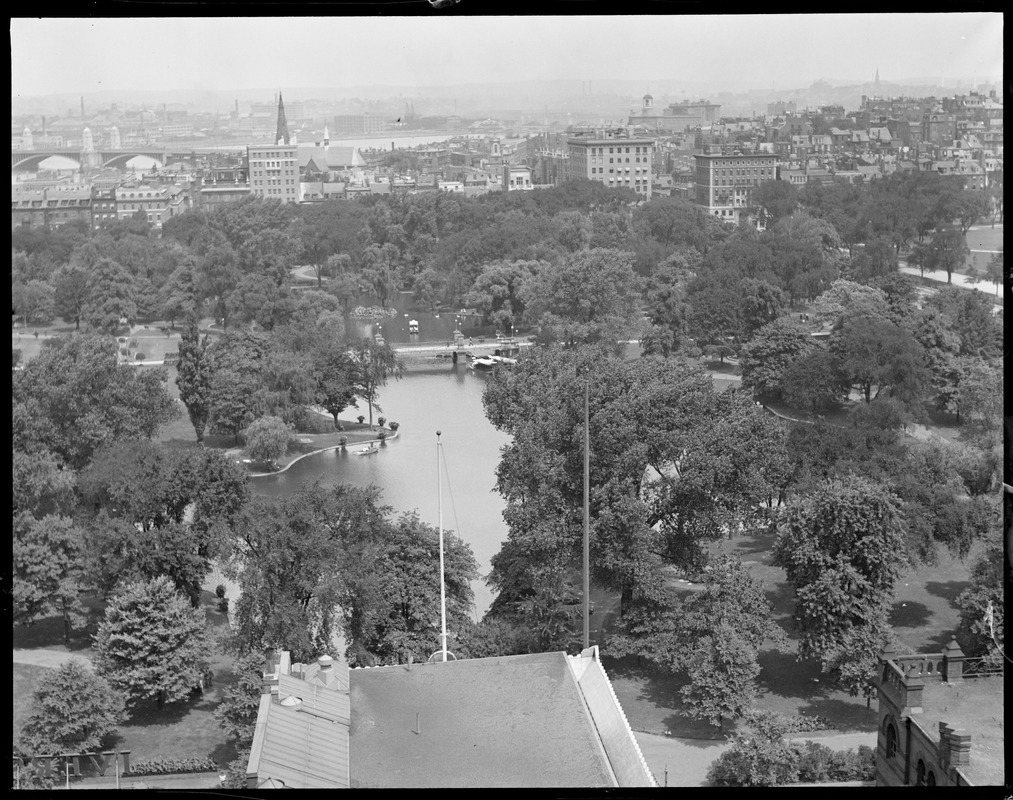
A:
587, 533
443, 595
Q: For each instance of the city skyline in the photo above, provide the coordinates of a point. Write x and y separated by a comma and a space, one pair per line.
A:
721, 52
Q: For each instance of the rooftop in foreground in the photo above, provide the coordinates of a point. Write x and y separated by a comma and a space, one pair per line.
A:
473, 726
973, 706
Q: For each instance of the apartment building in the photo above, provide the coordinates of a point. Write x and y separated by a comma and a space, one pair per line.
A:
725, 181
274, 171
616, 160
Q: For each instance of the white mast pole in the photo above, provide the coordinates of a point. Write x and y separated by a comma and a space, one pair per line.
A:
587, 535
443, 594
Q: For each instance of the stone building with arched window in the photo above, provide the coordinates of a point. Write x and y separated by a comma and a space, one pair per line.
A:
940, 720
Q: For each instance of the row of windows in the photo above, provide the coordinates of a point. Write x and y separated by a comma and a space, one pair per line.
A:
601, 170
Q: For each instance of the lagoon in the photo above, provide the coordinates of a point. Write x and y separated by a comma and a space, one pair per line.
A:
445, 398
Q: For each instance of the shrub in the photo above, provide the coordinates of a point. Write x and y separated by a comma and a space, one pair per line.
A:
381, 435
123, 350
339, 427
394, 426
140, 356
133, 343
381, 421
343, 441
220, 591
170, 766
361, 418
15, 357
223, 605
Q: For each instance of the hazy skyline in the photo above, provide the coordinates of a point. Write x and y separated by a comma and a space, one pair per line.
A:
83, 55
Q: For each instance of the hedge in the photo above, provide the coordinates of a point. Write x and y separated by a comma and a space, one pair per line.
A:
169, 766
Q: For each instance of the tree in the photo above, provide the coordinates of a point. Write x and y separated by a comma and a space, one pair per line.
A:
498, 291
702, 445
813, 383
179, 295
592, 296
237, 712
969, 208
293, 556
871, 351
668, 309
152, 644
335, 374
714, 637
47, 555
766, 357
761, 758
403, 617
876, 259
112, 296
267, 439
193, 377
236, 396
947, 251
75, 396
847, 299
777, 199
994, 270
72, 710
842, 548
981, 605
375, 363
722, 671
33, 301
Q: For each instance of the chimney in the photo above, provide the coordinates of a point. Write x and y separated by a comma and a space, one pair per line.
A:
325, 674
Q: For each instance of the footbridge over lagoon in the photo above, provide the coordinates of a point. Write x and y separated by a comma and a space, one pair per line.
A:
430, 353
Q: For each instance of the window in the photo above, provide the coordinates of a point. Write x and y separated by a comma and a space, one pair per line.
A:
891, 740
920, 773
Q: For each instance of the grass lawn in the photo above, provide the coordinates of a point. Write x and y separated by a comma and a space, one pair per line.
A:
924, 616
181, 730
26, 676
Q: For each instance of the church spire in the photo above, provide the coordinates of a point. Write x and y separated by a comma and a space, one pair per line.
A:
877, 79
281, 137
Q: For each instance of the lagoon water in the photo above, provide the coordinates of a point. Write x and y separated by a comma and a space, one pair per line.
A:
445, 398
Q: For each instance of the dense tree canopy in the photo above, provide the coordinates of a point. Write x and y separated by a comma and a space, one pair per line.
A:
76, 396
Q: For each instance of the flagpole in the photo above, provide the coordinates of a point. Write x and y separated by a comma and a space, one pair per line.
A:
587, 534
443, 594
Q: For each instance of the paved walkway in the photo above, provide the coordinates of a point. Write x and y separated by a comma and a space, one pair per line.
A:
49, 657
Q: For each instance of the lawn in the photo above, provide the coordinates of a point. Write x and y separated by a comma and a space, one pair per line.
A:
924, 616
179, 731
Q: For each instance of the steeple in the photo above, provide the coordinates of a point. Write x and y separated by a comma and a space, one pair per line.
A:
877, 79
281, 137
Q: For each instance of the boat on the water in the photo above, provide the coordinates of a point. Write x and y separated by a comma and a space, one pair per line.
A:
368, 449
489, 362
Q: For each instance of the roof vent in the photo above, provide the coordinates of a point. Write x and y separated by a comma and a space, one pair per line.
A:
325, 662
291, 701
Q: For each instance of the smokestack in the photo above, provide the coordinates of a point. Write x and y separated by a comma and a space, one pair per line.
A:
82, 106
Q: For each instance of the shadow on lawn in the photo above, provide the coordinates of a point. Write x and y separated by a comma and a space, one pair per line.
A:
847, 715
909, 615
782, 675
949, 590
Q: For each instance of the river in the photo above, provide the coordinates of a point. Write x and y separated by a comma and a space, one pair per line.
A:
445, 398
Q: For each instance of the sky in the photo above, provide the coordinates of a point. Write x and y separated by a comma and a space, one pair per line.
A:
82, 55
